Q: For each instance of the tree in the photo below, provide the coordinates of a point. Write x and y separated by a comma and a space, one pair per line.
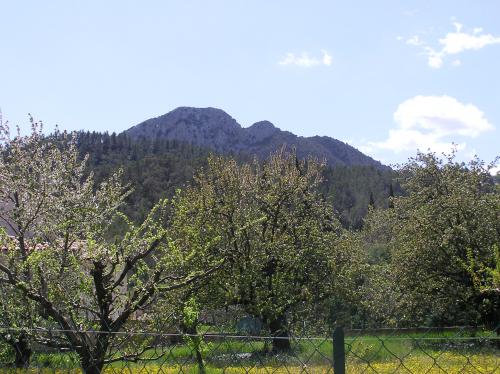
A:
16, 317
281, 241
441, 239
64, 254
371, 202
155, 168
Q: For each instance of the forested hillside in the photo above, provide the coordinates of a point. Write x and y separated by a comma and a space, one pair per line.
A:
156, 167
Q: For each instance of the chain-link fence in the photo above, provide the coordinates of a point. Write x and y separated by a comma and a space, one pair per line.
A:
423, 350
432, 350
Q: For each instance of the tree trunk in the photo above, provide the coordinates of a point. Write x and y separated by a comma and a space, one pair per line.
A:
281, 337
22, 351
92, 359
199, 360
92, 365
195, 341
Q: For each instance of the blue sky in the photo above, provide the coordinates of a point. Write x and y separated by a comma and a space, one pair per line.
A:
385, 76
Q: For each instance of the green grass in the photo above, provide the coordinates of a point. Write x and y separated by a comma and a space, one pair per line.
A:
414, 352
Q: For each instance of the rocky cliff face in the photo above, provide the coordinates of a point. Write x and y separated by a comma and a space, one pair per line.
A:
215, 129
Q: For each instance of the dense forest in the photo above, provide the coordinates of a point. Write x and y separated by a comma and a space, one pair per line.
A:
156, 167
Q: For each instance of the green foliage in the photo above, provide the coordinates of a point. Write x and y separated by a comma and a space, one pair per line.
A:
156, 167
440, 241
153, 168
282, 246
6, 351
352, 189
195, 342
190, 313
494, 273
63, 254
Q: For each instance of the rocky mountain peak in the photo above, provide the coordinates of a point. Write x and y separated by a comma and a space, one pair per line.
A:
261, 130
215, 129
206, 127
202, 117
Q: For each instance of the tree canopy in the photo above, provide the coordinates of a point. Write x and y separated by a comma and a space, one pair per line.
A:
285, 248
62, 251
441, 241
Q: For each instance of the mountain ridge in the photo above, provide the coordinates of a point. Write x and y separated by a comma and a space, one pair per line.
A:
215, 129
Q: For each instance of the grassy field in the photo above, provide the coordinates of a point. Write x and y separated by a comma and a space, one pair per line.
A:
410, 353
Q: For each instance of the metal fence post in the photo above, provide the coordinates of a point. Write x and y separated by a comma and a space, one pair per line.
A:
338, 351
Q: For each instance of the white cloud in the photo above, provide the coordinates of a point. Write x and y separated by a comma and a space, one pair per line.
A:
327, 59
458, 41
427, 122
305, 61
415, 40
495, 170
453, 43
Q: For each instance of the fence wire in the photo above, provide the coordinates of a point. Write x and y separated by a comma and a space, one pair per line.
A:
431, 350
423, 350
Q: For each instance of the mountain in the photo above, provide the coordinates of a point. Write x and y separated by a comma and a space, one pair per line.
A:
155, 167
162, 154
214, 129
